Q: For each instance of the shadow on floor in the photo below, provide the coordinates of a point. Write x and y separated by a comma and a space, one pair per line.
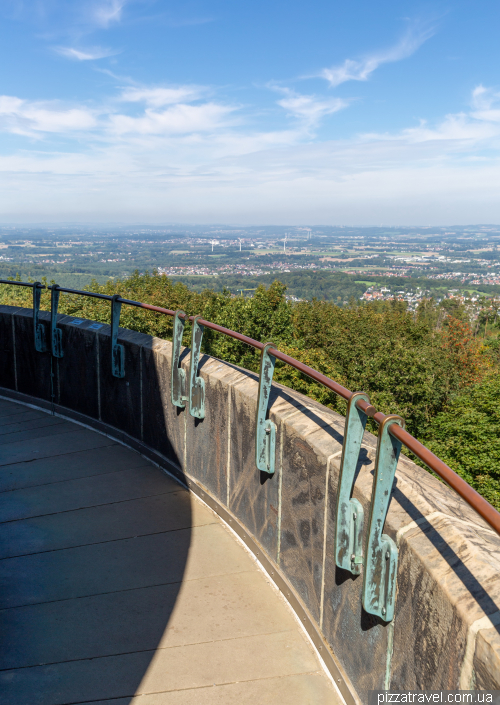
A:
94, 542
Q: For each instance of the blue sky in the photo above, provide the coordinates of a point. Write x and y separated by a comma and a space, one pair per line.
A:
249, 112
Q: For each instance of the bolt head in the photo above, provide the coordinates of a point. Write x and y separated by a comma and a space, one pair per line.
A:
354, 516
353, 557
383, 610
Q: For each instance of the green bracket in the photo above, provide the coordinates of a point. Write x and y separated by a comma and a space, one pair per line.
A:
350, 515
55, 332
381, 562
38, 328
178, 375
265, 435
196, 384
117, 350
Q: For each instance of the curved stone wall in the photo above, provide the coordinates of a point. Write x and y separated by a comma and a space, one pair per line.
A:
445, 632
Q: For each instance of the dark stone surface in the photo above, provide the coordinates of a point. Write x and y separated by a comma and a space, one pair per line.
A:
33, 368
429, 634
163, 423
207, 439
302, 517
253, 496
77, 370
7, 375
486, 662
360, 640
121, 398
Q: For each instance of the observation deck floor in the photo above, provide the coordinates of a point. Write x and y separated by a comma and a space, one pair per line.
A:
118, 586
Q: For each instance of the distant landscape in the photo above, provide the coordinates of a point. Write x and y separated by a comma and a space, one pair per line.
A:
328, 263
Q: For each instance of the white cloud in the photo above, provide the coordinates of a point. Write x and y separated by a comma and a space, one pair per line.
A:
88, 54
178, 119
480, 124
309, 108
360, 70
25, 117
158, 97
484, 101
106, 12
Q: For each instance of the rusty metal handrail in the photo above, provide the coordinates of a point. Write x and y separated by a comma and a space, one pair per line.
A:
449, 476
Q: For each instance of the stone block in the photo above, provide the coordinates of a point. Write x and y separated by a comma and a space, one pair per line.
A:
120, 399
303, 507
207, 439
486, 663
253, 495
7, 369
36, 373
77, 370
163, 423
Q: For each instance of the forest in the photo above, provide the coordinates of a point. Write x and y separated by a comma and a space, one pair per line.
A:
434, 367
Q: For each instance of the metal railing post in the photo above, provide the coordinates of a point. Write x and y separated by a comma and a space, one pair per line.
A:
350, 516
177, 374
38, 328
55, 332
196, 384
265, 430
117, 350
381, 555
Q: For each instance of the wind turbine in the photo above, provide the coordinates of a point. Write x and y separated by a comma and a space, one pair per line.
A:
284, 242
240, 242
213, 242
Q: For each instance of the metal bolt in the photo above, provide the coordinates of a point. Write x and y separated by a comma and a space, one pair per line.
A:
383, 610
354, 516
387, 556
268, 431
353, 556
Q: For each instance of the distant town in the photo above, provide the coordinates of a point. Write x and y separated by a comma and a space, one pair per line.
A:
328, 262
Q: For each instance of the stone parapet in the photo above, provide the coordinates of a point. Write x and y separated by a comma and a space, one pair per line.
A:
445, 633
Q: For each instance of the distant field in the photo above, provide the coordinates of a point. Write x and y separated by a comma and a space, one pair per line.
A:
71, 281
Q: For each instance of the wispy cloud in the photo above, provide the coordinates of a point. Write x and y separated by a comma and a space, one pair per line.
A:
361, 69
464, 128
178, 119
159, 96
309, 108
105, 12
486, 104
24, 117
87, 54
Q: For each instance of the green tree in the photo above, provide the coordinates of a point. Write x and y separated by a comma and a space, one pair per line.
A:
466, 436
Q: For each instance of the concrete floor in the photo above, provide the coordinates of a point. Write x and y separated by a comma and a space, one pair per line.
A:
117, 586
